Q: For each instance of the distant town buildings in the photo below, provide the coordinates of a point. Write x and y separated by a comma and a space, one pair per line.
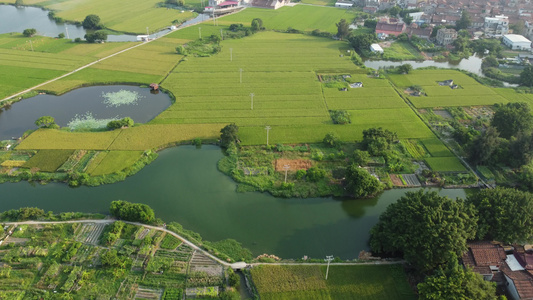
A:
516, 42
446, 36
496, 26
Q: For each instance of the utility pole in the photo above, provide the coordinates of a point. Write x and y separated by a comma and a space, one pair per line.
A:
240, 70
66, 29
147, 31
221, 35
31, 44
267, 129
328, 259
200, 32
286, 168
230, 54
252, 95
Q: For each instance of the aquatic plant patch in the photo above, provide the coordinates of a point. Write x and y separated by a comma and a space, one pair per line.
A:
122, 97
88, 122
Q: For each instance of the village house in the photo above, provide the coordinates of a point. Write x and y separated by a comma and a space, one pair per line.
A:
512, 268
385, 27
496, 26
446, 36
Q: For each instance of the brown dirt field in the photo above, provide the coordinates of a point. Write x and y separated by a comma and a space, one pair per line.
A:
395, 180
296, 164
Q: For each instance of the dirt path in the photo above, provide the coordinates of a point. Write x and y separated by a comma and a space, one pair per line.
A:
195, 247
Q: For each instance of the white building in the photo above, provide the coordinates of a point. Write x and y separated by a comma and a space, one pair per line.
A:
516, 42
376, 48
343, 4
496, 26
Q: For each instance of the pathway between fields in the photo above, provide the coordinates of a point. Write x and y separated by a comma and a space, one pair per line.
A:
195, 247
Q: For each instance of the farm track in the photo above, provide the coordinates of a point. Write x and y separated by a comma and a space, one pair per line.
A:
194, 246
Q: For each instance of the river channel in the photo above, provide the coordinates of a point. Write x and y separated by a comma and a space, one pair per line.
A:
20, 116
184, 185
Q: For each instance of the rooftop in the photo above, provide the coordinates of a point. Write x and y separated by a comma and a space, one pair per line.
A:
514, 38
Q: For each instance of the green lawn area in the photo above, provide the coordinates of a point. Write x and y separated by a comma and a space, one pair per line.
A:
48, 160
401, 51
320, 2
344, 282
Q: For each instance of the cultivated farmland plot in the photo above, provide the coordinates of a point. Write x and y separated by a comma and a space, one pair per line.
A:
90, 233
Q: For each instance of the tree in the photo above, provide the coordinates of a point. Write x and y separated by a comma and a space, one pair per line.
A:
408, 20
377, 140
257, 24
511, 118
332, 140
464, 22
19, 3
505, 214
526, 76
425, 228
360, 184
343, 29
456, 283
135, 212
340, 116
229, 135
435, 30
96, 37
521, 149
91, 22
29, 32
361, 158
61, 35
484, 146
214, 38
405, 68
46, 122
314, 174
116, 124
394, 11
362, 41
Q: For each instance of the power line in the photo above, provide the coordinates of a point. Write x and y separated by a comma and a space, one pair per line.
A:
287, 167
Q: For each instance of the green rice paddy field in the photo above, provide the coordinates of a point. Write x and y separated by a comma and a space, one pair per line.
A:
281, 70
23, 68
344, 282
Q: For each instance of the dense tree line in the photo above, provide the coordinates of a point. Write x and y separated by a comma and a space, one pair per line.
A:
431, 232
135, 212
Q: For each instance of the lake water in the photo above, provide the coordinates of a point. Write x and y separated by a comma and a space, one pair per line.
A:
471, 64
184, 185
20, 116
16, 19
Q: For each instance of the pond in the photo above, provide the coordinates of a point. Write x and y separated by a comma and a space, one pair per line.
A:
16, 19
471, 64
184, 185
20, 116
